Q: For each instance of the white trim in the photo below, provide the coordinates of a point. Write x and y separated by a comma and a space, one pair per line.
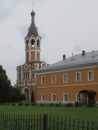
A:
64, 97
47, 102
53, 79
67, 70
28, 91
43, 77
54, 101
92, 74
43, 98
67, 78
77, 76
61, 86
76, 97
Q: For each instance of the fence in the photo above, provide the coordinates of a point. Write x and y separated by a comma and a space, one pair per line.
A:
42, 122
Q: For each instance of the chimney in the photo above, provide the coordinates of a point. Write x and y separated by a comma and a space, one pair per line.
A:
64, 57
83, 52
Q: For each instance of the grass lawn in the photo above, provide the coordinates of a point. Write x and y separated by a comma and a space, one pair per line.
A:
76, 113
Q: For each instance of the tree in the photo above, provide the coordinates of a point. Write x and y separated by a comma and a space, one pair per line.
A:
16, 95
8, 93
5, 86
32, 97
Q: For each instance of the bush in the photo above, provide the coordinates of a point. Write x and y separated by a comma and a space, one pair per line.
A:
58, 104
13, 104
69, 104
77, 104
20, 103
42, 104
90, 105
34, 103
27, 104
51, 104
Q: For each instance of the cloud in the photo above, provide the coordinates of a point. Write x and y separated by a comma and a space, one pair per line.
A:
65, 26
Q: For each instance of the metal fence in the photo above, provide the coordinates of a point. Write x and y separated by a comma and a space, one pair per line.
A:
42, 122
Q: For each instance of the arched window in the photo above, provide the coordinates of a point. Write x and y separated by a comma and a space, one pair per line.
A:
32, 42
38, 43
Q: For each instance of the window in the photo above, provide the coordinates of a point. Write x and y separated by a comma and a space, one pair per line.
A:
53, 78
43, 80
32, 42
78, 76
26, 75
77, 97
65, 97
38, 43
43, 97
65, 78
19, 76
35, 66
53, 97
27, 56
90, 75
33, 75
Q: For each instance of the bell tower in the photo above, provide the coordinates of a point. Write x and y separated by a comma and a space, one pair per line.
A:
32, 42
26, 73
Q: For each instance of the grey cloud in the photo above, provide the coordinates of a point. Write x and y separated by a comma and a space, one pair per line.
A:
6, 7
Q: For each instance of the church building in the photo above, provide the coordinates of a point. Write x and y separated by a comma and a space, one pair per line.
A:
26, 77
73, 79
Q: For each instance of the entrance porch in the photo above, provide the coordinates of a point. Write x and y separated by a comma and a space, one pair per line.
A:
87, 96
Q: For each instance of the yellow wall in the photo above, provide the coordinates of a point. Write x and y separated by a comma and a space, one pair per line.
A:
71, 87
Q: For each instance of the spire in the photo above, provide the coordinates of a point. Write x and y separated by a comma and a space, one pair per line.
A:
33, 13
32, 29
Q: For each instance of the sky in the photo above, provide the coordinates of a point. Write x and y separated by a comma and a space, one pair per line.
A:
65, 26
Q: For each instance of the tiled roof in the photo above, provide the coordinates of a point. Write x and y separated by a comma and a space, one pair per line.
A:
75, 61
32, 30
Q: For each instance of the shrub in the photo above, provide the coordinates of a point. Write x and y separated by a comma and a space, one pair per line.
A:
58, 104
77, 104
20, 103
13, 104
42, 104
33, 103
27, 104
69, 104
90, 105
51, 104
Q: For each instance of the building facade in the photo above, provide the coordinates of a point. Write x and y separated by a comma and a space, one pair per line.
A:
69, 80
26, 76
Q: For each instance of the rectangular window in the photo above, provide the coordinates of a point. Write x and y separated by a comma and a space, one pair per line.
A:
53, 78
90, 75
78, 76
43, 80
19, 77
26, 75
65, 78
53, 97
65, 97
33, 75
77, 97
43, 97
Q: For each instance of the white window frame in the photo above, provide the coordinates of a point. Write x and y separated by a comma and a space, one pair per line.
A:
53, 98
43, 97
78, 79
53, 79
34, 75
64, 97
43, 80
65, 80
77, 100
92, 75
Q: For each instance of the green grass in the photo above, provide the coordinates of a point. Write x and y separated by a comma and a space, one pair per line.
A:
76, 113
